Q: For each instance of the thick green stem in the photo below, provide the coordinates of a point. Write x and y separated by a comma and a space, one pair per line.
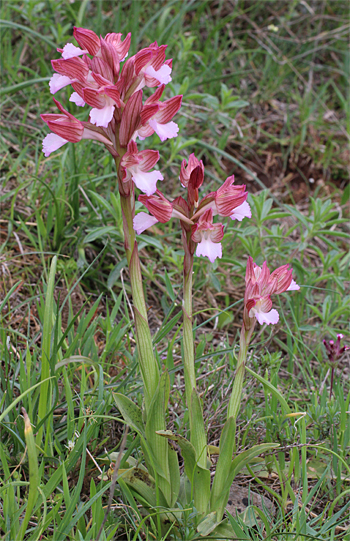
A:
197, 428
190, 376
235, 400
148, 364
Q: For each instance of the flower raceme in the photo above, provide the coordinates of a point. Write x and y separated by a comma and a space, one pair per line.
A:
196, 217
260, 285
114, 93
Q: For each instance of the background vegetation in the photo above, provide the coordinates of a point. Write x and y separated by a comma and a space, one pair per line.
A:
266, 98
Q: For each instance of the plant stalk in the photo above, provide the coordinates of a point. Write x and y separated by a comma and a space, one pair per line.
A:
148, 364
190, 376
235, 399
198, 436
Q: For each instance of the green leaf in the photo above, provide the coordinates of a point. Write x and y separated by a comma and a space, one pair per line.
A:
21, 86
207, 525
218, 496
346, 195
174, 475
187, 450
143, 483
198, 436
114, 275
44, 399
131, 413
272, 390
198, 477
164, 331
29, 31
8, 296
237, 529
99, 232
149, 241
237, 103
159, 446
169, 287
225, 318
244, 458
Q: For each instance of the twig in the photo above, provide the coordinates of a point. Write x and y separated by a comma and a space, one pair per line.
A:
114, 482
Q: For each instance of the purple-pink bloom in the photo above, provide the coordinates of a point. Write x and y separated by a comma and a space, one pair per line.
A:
156, 117
227, 201
136, 166
260, 285
66, 128
208, 236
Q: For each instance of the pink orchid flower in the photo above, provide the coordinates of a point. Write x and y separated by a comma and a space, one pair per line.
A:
227, 201
136, 166
260, 285
151, 66
161, 210
66, 128
208, 236
68, 72
156, 117
102, 101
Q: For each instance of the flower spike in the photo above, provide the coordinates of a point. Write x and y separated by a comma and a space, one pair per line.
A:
260, 285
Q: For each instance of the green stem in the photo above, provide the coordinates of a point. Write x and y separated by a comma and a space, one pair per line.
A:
190, 376
148, 364
197, 429
235, 400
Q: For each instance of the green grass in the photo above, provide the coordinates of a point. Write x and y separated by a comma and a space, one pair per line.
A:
271, 108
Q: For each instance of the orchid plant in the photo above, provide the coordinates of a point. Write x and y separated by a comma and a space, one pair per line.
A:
118, 116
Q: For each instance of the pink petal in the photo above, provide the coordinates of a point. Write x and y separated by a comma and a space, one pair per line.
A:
52, 142
209, 249
216, 233
267, 317
293, 286
164, 131
78, 100
162, 75
146, 182
143, 221
58, 81
102, 117
243, 211
70, 51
